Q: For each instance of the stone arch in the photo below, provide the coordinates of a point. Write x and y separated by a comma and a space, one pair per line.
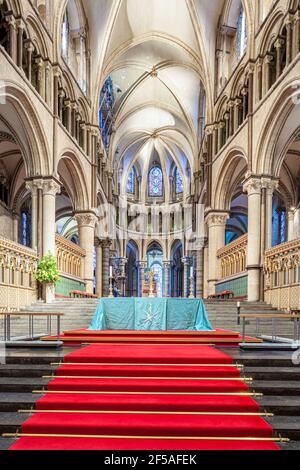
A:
74, 178
26, 129
229, 176
279, 131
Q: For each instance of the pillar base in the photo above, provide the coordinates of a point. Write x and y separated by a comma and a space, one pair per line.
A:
254, 285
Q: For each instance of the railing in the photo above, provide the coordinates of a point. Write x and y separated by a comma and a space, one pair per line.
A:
69, 257
17, 266
233, 258
282, 275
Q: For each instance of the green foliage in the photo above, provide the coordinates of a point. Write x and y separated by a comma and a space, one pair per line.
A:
47, 271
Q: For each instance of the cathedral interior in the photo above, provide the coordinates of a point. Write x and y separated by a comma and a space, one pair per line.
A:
157, 139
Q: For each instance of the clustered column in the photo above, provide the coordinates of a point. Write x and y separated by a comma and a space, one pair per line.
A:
86, 228
216, 222
254, 187
105, 267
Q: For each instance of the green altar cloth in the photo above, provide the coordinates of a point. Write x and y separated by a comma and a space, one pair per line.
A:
150, 315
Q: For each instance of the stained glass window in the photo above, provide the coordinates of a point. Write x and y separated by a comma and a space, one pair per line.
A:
178, 182
106, 110
130, 182
242, 33
65, 36
155, 182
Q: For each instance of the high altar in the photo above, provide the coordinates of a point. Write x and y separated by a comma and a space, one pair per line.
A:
150, 314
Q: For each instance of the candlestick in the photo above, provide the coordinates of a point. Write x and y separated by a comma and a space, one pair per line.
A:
191, 296
110, 272
111, 292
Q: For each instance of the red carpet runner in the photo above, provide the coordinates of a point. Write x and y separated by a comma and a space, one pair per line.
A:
146, 397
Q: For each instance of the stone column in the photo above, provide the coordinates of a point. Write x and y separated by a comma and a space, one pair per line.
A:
29, 48
20, 27
291, 218
259, 80
142, 267
12, 36
270, 186
16, 221
33, 186
289, 39
199, 272
216, 222
266, 79
237, 105
296, 40
278, 46
105, 267
98, 246
186, 264
253, 187
86, 229
50, 189
167, 265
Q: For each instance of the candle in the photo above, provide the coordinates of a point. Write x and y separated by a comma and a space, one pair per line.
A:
239, 305
192, 271
110, 271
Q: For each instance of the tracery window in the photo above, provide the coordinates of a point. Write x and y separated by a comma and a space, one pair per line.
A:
242, 33
155, 183
178, 182
131, 182
106, 110
65, 31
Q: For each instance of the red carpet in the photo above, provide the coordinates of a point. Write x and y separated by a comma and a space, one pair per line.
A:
166, 397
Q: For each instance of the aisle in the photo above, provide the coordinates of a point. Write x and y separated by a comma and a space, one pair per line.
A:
108, 397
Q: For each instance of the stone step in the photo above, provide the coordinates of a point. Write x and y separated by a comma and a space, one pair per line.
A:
281, 405
286, 426
273, 373
21, 384
13, 402
5, 444
11, 422
22, 370
272, 387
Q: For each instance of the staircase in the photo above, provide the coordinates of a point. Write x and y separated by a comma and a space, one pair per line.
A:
273, 375
78, 314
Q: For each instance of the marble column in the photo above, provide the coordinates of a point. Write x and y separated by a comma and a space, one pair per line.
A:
289, 40
105, 267
278, 46
291, 218
33, 186
98, 246
253, 187
167, 266
86, 229
20, 28
50, 189
216, 222
12, 36
16, 221
270, 186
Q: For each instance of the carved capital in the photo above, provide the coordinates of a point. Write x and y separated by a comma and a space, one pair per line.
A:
217, 219
253, 186
270, 185
50, 187
86, 219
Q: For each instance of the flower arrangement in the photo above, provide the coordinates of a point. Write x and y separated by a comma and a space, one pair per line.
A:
47, 272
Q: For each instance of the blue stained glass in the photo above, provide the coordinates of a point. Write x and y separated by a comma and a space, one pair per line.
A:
179, 182
130, 182
242, 33
155, 182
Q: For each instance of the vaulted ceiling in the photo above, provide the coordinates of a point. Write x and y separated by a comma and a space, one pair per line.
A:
160, 55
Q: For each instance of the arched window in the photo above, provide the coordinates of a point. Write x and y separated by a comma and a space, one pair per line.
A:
178, 182
106, 110
242, 34
65, 29
131, 182
155, 183
74, 43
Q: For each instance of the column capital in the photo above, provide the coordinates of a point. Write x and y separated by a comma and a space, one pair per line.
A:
216, 218
142, 264
86, 219
270, 184
253, 185
167, 264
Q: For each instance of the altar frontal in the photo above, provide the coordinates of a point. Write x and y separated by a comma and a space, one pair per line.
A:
151, 315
